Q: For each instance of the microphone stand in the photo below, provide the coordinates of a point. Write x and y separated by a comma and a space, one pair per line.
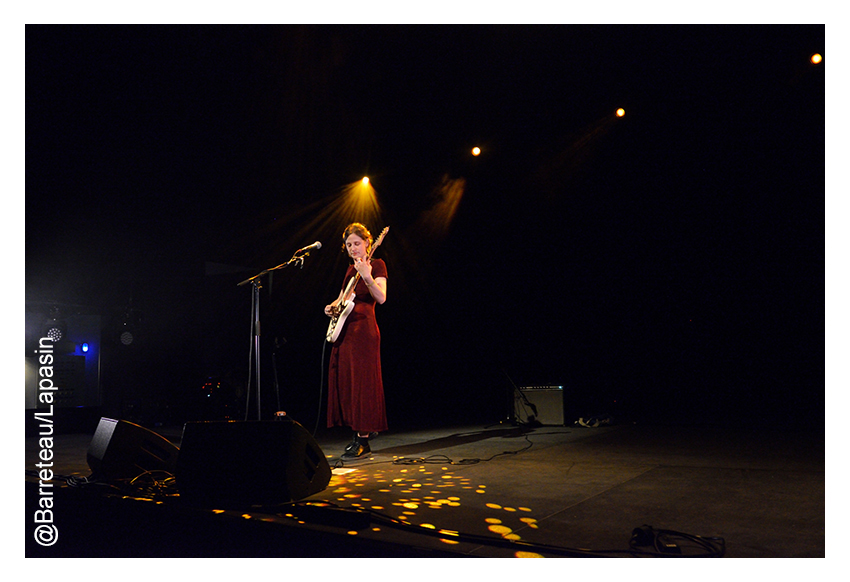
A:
255, 282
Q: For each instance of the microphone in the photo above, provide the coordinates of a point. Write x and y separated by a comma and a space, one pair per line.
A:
315, 246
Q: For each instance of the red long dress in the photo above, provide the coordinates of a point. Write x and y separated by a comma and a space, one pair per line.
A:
355, 384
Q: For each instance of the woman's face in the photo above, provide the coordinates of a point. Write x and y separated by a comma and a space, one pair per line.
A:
357, 247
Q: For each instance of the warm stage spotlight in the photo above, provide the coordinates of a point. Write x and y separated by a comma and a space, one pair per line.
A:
476, 151
816, 59
358, 203
621, 112
354, 202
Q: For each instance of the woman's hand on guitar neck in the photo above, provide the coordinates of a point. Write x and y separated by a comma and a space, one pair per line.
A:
377, 287
364, 268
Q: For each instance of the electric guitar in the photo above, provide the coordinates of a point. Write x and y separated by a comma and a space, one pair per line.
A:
346, 304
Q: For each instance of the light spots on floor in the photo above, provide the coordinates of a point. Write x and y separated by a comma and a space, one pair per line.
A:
415, 495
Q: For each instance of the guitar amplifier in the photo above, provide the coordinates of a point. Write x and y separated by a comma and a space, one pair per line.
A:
544, 403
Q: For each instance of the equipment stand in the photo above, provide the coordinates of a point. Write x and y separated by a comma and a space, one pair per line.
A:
254, 372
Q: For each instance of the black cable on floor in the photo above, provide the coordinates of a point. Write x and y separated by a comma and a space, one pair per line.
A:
434, 459
443, 459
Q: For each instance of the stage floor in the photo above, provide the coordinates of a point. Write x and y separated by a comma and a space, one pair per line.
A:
475, 491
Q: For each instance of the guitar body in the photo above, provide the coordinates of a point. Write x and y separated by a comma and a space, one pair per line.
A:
335, 327
346, 306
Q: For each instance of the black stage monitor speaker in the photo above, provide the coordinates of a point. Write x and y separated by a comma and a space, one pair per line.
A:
236, 464
123, 450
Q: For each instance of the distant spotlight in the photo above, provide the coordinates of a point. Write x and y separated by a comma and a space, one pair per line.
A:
365, 180
84, 348
621, 112
816, 59
55, 330
476, 151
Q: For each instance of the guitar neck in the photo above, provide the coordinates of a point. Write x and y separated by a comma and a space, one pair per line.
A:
349, 288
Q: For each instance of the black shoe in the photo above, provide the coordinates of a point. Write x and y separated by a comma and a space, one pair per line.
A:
352, 446
358, 448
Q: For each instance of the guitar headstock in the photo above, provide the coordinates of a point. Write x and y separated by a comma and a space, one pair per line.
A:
380, 239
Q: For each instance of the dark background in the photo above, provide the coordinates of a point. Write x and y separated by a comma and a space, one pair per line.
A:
665, 266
